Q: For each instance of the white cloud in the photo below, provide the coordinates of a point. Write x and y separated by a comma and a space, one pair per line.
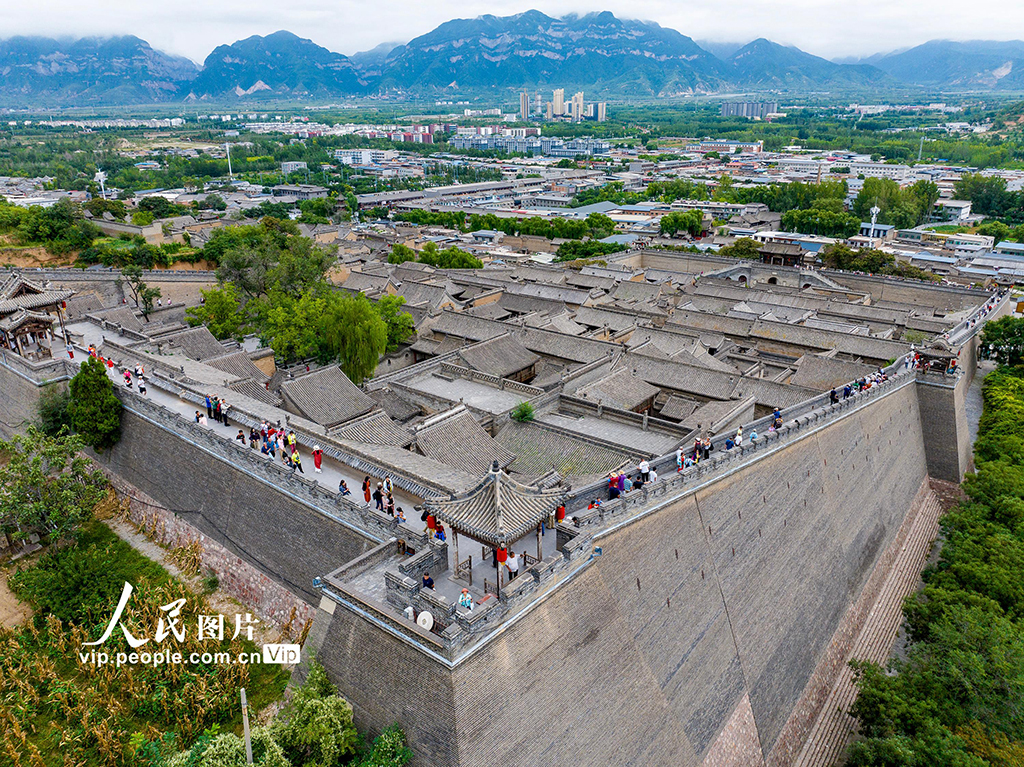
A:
829, 28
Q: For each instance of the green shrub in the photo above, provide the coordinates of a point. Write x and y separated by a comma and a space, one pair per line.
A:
54, 415
316, 729
523, 412
389, 750
79, 583
228, 750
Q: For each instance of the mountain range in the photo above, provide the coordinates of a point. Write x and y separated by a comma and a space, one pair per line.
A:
597, 52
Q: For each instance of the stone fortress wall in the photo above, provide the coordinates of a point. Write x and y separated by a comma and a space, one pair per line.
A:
710, 611
704, 632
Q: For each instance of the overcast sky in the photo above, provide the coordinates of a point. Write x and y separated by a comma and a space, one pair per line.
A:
829, 28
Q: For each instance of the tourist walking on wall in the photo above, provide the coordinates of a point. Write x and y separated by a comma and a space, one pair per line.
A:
679, 458
366, 490
833, 398
142, 387
253, 437
378, 497
512, 563
645, 470
318, 457
216, 409
297, 462
209, 407
465, 600
343, 488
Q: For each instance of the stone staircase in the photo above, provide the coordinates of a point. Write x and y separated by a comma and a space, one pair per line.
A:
831, 733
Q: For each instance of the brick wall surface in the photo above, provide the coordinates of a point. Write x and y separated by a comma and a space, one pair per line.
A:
261, 525
269, 599
708, 632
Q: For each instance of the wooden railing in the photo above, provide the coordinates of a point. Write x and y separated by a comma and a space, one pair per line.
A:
465, 569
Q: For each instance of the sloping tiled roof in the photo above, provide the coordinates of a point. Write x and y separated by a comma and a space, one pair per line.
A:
86, 303
21, 316
799, 335
498, 511
34, 300
621, 389
597, 318
257, 391
499, 357
677, 408
123, 316
394, 405
375, 428
326, 396
195, 343
539, 450
822, 373
491, 311
237, 363
675, 376
637, 291
456, 439
710, 413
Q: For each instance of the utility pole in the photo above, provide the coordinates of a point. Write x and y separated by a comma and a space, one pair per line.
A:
245, 729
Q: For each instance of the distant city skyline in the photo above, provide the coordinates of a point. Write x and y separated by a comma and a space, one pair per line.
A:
826, 28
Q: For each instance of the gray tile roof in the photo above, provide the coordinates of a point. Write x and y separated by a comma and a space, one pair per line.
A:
621, 389
123, 316
677, 408
256, 391
375, 428
593, 317
81, 305
538, 450
675, 376
326, 396
797, 335
637, 291
491, 311
822, 373
501, 357
195, 343
456, 439
237, 363
524, 304
711, 412
393, 404
498, 511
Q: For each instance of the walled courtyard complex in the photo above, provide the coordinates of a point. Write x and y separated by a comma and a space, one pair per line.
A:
704, 618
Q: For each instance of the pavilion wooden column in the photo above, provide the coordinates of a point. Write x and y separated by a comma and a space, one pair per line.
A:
455, 542
540, 551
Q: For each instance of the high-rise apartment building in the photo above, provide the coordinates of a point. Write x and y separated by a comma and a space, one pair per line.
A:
577, 107
602, 111
524, 105
558, 102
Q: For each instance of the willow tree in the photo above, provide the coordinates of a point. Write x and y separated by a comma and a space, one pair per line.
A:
355, 334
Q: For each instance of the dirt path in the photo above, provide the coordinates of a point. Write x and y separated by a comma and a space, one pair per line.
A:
13, 612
